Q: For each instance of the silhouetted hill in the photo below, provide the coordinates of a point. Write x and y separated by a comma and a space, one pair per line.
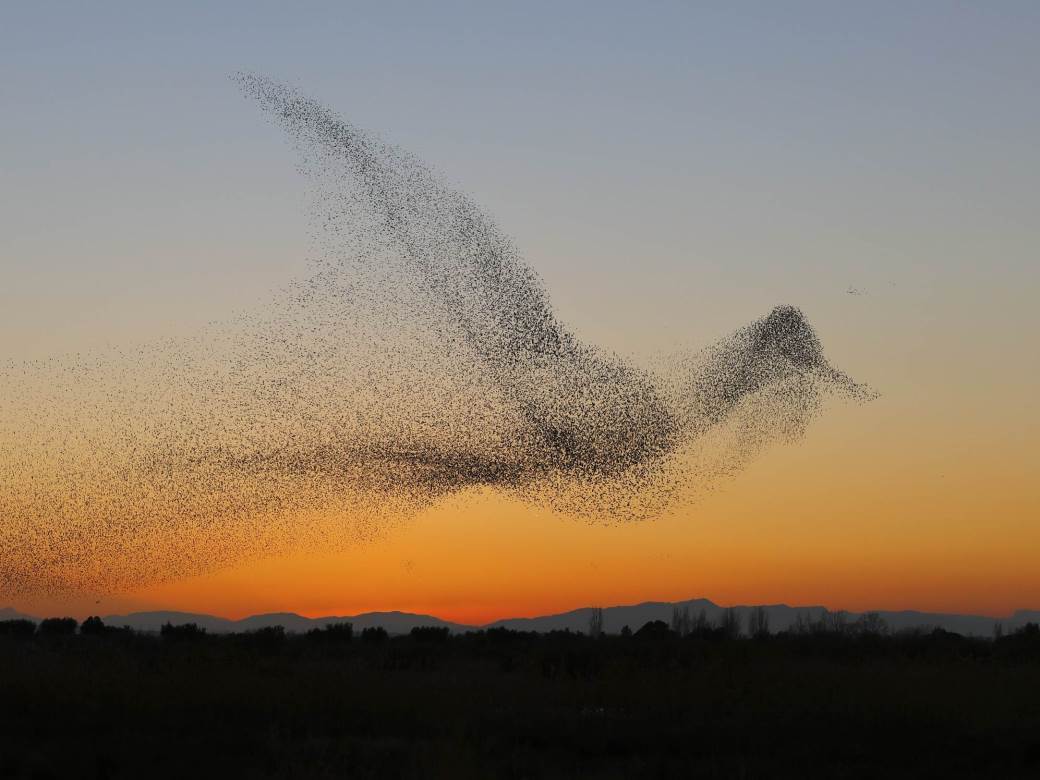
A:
781, 617
7, 613
969, 625
393, 622
401, 622
153, 621
634, 616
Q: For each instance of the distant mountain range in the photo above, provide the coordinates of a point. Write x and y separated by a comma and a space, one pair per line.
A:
781, 617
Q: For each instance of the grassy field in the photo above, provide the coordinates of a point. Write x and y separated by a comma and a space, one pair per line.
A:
107, 703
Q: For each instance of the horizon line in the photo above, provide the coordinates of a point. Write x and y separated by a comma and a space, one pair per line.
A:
327, 616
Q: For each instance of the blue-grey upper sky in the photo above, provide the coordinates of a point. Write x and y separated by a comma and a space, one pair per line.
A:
671, 169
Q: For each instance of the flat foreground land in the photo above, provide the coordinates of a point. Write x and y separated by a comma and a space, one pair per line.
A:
499, 704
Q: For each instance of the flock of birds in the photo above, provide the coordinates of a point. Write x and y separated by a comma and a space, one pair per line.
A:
420, 359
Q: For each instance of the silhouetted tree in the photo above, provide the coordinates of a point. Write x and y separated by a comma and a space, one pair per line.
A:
682, 624
93, 625
430, 633
758, 624
826, 623
374, 634
58, 626
626, 631
502, 635
186, 631
18, 628
836, 622
596, 622
870, 624
701, 625
266, 638
730, 624
332, 632
654, 629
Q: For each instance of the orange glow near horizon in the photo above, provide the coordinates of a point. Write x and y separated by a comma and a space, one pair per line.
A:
822, 523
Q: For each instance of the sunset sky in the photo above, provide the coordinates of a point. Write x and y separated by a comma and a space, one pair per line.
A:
672, 171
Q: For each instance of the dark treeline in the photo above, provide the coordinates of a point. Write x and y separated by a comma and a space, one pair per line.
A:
691, 698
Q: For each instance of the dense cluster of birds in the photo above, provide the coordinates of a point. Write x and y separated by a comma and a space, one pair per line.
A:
420, 358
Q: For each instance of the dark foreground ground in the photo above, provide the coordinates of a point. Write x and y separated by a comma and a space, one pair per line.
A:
499, 704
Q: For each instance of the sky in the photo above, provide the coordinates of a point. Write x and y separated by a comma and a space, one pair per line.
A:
672, 171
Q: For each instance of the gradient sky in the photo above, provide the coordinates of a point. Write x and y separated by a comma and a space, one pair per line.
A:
672, 170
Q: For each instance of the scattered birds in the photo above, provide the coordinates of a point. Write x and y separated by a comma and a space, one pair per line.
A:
420, 359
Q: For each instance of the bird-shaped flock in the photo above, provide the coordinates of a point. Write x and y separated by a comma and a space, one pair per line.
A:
421, 358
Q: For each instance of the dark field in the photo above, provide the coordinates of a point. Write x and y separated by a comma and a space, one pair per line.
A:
830, 704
